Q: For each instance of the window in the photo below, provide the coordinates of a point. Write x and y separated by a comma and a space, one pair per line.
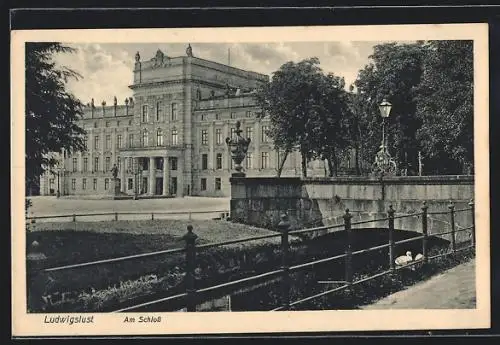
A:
94, 184
86, 142
96, 142
129, 164
96, 163
265, 138
198, 94
145, 113
158, 163
130, 183
117, 123
233, 115
159, 137
130, 140
248, 161
218, 136
219, 160
119, 141
108, 142
233, 133
84, 183
85, 164
173, 163
106, 183
265, 160
73, 183
204, 137
249, 133
217, 116
107, 164
248, 113
204, 161
158, 111
203, 184
174, 111
145, 138
119, 163
218, 183
175, 138
107, 123
203, 117
75, 164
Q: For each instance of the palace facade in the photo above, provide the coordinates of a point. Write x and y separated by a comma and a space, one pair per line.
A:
169, 138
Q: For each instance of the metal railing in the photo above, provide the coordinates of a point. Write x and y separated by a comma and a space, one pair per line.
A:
192, 296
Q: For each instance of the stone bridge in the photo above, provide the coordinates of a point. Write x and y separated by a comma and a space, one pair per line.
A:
322, 201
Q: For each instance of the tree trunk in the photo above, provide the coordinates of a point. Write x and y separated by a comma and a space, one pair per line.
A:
356, 160
304, 164
330, 167
281, 164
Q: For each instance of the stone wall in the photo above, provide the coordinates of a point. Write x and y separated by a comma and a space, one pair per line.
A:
323, 201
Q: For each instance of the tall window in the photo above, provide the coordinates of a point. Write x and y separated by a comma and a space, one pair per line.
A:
248, 113
119, 163
96, 163
73, 183
158, 111
96, 142
85, 164
233, 133
119, 141
159, 137
130, 140
248, 161
219, 160
175, 138
217, 116
145, 138
106, 183
145, 116
108, 142
129, 164
233, 115
130, 183
75, 164
107, 164
86, 142
94, 184
203, 184
204, 161
265, 160
204, 137
173, 163
249, 133
265, 137
218, 183
218, 136
84, 183
174, 111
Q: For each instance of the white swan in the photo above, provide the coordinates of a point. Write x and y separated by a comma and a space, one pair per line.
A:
418, 257
404, 260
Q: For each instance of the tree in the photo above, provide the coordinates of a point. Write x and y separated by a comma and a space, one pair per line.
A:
51, 111
302, 104
393, 74
445, 107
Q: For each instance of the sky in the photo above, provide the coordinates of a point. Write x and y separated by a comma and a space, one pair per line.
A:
106, 68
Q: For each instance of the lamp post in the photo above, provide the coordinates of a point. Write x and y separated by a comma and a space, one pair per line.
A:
384, 164
238, 147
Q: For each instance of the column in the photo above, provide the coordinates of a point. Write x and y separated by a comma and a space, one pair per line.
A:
123, 183
152, 170
166, 175
180, 175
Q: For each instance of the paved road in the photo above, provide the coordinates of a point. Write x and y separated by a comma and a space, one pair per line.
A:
452, 289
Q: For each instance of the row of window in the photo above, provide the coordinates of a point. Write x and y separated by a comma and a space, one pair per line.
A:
264, 161
107, 164
174, 139
84, 183
159, 112
248, 134
203, 184
232, 115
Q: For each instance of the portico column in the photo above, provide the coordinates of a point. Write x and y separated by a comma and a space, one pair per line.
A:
166, 175
152, 170
123, 166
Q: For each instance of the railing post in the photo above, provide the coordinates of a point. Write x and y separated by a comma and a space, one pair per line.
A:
190, 239
284, 227
473, 230
348, 247
116, 216
451, 206
390, 214
424, 232
152, 216
74, 217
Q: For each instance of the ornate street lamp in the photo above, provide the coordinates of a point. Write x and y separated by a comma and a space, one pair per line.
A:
384, 164
238, 147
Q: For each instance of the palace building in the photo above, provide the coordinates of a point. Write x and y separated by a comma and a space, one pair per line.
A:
169, 138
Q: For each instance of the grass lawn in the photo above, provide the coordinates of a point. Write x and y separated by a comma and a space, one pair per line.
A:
71, 243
